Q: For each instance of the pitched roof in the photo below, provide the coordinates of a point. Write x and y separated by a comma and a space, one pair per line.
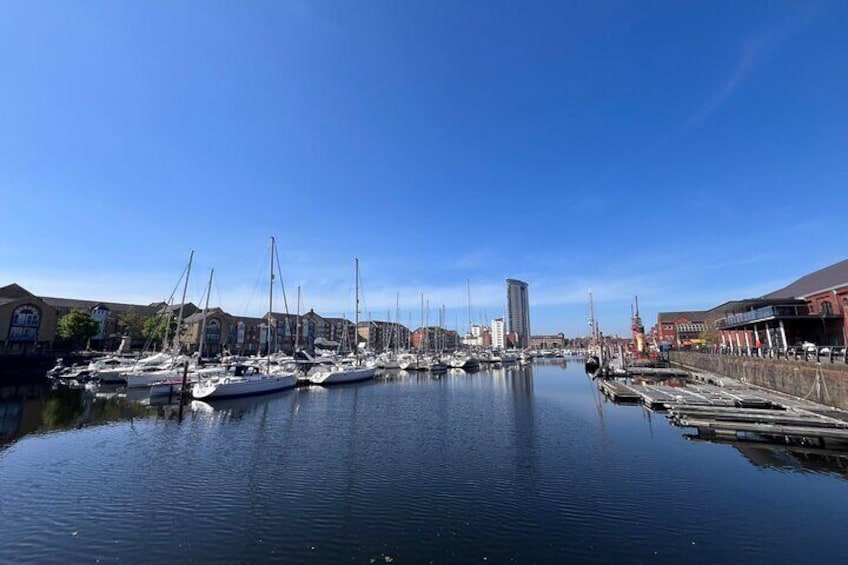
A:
198, 316
736, 306
337, 320
90, 304
14, 291
824, 279
692, 316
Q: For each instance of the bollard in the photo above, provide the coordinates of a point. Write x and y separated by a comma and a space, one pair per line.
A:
183, 391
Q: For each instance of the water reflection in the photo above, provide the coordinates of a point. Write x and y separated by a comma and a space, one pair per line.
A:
788, 458
507, 464
38, 408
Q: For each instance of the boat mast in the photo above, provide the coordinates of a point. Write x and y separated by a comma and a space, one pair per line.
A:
205, 311
297, 322
427, 325
593, 325
176, 345
270, 306
397, 324
356, 311
468, 282
423, 329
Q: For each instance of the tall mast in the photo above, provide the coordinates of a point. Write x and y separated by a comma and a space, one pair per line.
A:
423, 329
593, 324
426, 312
356, 313
297, 321
270, 306
397, 324
468, 282
205, 310
176, 345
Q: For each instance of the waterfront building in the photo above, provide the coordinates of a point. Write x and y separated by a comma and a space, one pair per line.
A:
340, 331
555, 341
498, 333
27, 323
478, 336
679, 329
109, 316
434, 338
383, 336
814, 309
518, 309
228, 334
218, 324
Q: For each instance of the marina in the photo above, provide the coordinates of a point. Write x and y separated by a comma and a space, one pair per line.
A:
527, 463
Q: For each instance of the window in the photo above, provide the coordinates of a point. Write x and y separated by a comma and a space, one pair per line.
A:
25, 322
26, 316
826, 308
213, 331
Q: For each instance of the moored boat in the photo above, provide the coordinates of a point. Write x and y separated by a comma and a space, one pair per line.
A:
341, 375
245, 381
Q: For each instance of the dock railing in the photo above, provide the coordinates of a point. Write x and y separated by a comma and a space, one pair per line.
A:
816, 354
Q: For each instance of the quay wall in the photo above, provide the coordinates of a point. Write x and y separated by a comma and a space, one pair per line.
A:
797, 378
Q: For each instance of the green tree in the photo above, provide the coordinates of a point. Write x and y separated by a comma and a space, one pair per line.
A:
710, 335
154, 329
131, 324
76, 327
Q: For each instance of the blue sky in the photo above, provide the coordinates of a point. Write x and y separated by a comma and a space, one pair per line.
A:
687, 152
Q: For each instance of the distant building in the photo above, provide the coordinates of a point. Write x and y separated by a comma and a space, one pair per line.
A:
678, 329
340, 332
498, 333
384, 336
108, 316
556, 341
511, 340
480, 336
434, 338
27, 323
518, 310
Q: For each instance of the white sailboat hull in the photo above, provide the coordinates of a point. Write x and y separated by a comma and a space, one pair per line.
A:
147, 378
230, 387
342, 375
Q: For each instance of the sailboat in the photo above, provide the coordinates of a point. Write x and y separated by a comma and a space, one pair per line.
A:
164, 365
341, 374
594, 351
247, 381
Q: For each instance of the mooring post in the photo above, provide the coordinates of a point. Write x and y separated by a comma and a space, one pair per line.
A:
183, 390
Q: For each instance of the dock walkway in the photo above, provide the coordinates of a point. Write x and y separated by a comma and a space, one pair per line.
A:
722, 407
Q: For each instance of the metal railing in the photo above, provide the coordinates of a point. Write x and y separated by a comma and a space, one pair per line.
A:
766, 312
817, 354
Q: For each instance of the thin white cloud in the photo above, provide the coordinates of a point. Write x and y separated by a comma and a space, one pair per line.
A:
743, 68
754, 52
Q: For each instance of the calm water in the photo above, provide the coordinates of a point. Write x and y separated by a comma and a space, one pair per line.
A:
521, 465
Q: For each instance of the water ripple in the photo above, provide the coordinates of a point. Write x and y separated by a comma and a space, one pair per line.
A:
523, 467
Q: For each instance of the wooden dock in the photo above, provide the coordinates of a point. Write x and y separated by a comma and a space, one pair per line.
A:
657, 372
619, 391
732, 409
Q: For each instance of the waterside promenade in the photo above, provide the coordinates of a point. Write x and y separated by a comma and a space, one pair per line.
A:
822, 382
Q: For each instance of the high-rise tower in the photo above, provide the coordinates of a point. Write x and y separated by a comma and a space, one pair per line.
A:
518, 310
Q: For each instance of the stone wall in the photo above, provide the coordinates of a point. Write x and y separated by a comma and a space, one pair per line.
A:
797, 378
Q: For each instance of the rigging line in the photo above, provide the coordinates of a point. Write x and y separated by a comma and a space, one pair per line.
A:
220, 300
258, 280
176, 286
282, 285
362, 294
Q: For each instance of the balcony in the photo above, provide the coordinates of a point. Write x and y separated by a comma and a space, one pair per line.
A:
774, 312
